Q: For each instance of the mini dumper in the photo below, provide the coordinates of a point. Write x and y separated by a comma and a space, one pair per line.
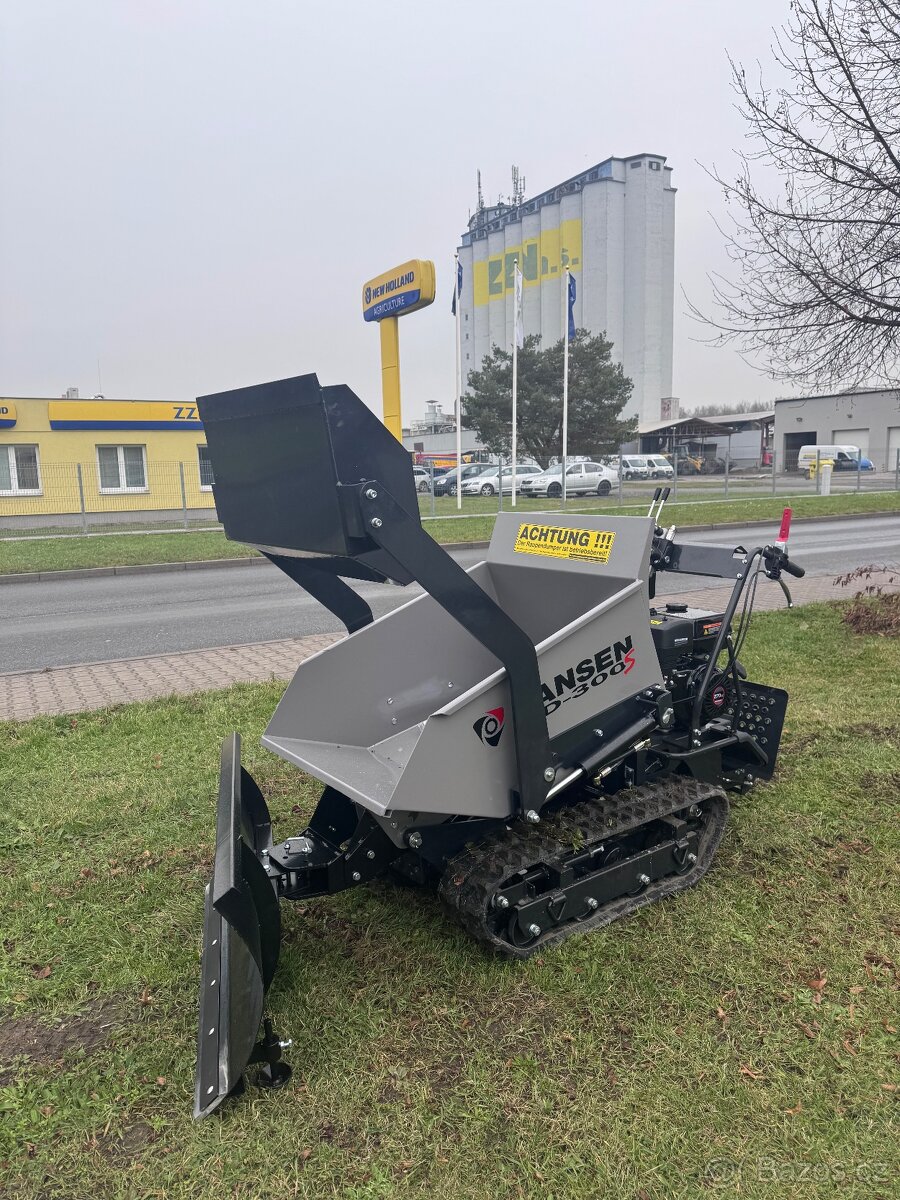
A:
588, 735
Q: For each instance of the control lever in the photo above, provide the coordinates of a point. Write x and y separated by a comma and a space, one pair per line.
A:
663, 499
787, 594
656, 496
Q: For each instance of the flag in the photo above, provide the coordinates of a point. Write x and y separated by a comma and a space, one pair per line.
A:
519, 315
571, 306
457, 291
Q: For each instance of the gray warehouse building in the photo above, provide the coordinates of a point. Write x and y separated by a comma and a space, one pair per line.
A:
868, 418
614, 225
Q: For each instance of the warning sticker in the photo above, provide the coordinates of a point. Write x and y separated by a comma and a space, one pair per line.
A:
552, 541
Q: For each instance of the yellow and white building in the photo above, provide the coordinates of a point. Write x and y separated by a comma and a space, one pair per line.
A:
71, 461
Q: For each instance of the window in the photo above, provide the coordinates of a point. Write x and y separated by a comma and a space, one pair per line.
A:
206, 468
639, 163
654, 166
19, 471
122, 468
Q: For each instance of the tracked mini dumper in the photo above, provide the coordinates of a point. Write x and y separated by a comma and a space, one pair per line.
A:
588, 736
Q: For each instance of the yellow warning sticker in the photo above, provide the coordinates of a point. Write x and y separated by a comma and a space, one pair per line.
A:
553, 541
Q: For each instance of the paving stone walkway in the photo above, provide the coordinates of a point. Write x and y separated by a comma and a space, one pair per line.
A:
59, 690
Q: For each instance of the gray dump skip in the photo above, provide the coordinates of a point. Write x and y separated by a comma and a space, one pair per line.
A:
388, 716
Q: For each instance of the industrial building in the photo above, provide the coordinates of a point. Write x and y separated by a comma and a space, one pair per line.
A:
614, 226
868, 418
72, 461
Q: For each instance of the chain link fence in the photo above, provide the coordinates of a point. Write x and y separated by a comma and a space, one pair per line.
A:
117, 491
631, 479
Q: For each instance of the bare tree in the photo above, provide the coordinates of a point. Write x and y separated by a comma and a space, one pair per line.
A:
818, 298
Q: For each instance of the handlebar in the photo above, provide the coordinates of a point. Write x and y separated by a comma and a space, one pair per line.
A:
776, 560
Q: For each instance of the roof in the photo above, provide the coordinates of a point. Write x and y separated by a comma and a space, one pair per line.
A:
741, 418
848, 394
687, 427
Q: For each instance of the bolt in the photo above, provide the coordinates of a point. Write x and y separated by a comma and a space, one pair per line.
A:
370, 854
501, 901
549, 774
371, 494
740, 576
356, 877
532, 817
668, 716
390, 699
287, 845
375, 522
598, 733
414, 840
265, 854
692, 857
694, 810
534, 930
592, 903
643, 880
393, 720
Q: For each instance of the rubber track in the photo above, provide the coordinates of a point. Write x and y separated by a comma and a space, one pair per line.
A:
471, 879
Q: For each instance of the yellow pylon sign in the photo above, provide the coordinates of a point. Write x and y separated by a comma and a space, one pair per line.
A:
385, 298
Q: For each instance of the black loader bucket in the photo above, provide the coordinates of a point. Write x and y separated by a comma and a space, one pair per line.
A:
241, 937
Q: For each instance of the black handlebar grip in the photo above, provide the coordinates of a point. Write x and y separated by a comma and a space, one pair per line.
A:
792, 569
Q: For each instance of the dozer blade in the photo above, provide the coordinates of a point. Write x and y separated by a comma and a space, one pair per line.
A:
241, 936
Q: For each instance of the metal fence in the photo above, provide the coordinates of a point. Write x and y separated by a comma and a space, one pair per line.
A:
690, 481
109, 493
118, 495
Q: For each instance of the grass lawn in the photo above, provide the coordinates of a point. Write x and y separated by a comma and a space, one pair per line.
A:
750, 1022
68, 553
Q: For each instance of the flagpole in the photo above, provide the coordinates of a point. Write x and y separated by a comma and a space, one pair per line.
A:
515, 376
565, 419
458, 386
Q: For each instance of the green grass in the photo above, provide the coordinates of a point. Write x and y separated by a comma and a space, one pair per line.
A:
617, 1065
67, 553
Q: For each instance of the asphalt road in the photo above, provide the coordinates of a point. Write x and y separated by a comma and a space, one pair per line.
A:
128, 616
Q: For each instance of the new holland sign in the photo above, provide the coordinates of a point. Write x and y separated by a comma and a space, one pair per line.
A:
402, 290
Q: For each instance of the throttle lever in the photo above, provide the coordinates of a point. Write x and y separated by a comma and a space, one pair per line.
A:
786, 590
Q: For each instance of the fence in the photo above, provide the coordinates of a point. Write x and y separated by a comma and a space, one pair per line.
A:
117, 493
120, 494
690, 481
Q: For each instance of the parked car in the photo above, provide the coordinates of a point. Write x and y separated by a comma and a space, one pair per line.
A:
635, 466
488, 484
445, 485
581, 479
660, 467
844, 458
422, 476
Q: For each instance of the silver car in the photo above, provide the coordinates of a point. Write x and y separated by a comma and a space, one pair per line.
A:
582, 479
488, 483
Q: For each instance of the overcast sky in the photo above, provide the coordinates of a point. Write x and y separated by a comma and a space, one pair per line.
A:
193, 191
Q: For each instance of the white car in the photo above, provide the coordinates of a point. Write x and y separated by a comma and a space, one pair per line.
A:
422, 478
583, 478
488, 484
660, 467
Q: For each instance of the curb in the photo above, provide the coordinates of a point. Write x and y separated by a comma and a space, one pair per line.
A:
210, 564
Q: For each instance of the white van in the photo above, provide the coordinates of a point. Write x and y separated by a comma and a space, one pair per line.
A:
844, 458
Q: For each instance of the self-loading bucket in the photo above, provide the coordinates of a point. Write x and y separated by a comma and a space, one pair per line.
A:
409, 713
